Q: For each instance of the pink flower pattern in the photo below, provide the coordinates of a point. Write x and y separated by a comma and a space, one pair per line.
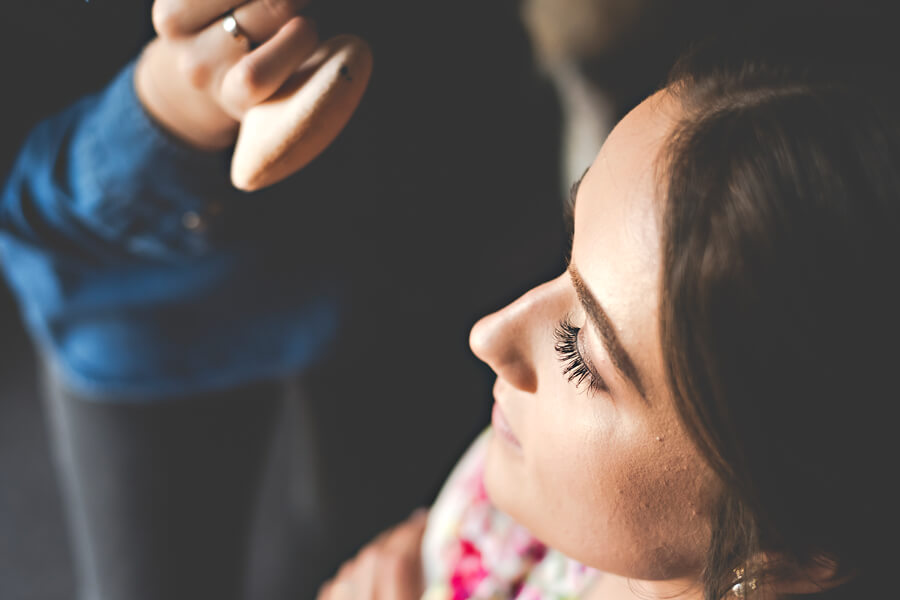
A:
472, 550
468, 570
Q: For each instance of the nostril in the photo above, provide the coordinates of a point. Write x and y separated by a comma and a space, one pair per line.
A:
497, 341
520, 375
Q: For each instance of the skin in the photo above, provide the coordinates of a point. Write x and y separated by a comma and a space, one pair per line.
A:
635, 491
608, 476
197, 81
388, 568
635, 495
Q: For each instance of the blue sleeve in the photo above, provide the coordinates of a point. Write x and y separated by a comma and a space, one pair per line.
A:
101, 182
108, 240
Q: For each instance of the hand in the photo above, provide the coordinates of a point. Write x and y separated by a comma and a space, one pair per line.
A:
197, 80
389, 568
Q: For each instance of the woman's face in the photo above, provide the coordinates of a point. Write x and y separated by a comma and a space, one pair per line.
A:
595, 462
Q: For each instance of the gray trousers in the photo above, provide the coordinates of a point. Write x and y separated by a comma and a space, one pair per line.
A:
162, 498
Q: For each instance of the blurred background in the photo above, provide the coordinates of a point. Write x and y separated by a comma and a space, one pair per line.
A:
492, 108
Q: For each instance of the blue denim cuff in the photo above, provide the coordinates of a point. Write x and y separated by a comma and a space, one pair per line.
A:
140, 186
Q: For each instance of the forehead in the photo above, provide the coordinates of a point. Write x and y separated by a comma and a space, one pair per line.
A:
616, 244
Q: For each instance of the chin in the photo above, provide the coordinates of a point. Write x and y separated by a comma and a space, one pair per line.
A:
634, 556
502, 482
507, 487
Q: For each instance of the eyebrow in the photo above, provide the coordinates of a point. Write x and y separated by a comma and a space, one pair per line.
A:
618, 356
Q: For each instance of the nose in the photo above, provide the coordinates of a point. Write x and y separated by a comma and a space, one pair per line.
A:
506, 340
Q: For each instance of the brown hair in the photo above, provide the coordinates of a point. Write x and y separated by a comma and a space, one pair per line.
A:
779, 312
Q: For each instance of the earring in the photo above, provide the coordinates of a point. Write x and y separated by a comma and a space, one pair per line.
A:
740, 588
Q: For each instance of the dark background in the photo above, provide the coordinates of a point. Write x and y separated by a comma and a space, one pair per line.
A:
456, 138
55, 51
473, 92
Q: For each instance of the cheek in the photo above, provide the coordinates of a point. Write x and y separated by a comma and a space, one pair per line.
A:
619, 499
667, 505
556, 486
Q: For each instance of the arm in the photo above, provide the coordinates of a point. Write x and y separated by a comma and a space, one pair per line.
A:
123, 171
109, 238
101, 181
94, 242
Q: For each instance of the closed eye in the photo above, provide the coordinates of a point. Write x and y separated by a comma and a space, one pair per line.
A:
575, 368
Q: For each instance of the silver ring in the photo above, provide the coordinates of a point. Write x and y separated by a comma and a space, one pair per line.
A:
230, 25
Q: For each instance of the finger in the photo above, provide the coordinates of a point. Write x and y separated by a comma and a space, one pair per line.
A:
401, 580
346, 570
382, 539
364, 575
261, 19
325, 590
419, 514
205, 57
259, 74
338, 586
401, 570
345, 590
407, 537
181, 18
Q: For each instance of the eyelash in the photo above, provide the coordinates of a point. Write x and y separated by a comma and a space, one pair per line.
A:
575, 368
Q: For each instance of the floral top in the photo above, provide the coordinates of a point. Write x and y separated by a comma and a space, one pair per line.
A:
472, 550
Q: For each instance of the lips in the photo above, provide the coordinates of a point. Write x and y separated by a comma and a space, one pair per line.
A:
501, 426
